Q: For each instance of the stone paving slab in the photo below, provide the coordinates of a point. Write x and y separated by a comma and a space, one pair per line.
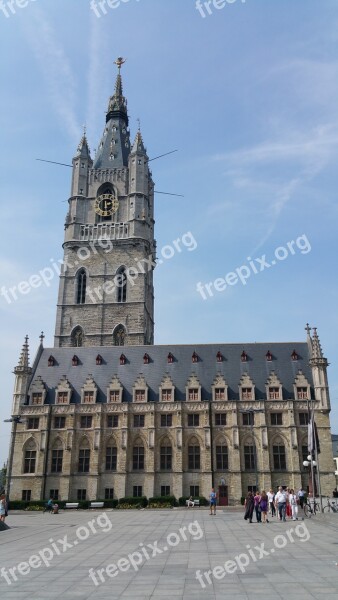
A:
176, 554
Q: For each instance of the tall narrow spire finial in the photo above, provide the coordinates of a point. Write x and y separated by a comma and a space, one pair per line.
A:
139, 123
119, 62
42, 336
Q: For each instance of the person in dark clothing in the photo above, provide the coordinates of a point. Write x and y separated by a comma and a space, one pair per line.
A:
249, 507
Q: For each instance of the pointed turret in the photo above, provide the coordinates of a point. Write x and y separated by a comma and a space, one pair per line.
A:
114, 147
138, 145
319, 366
23, 364
22, 373
82, 162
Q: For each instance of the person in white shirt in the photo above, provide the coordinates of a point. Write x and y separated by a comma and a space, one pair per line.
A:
301, 496
294, 506
271, 498
280, 503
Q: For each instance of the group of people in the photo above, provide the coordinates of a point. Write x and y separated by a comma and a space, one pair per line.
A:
283, 504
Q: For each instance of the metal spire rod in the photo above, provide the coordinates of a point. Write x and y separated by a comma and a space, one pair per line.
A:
168, 194
53, 162
160, 156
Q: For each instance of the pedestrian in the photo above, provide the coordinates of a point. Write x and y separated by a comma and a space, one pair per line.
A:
190, 502
264, 506
2, 507
249, 507
271, 500
301, 497
213, 498
293, 504
257, 501
288, 505
280, 503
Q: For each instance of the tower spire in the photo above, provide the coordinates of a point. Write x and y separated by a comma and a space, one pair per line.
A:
114, 147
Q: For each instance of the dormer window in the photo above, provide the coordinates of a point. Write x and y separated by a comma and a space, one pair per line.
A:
294, 355
247, 393
146, 359
244, 356
75, 361
219, 357
170, 358
268, 356
51, 361
302, 393
37, 398
99, 359
122, 359
140, 395
88, 397
62, 397
194, 357
274, 393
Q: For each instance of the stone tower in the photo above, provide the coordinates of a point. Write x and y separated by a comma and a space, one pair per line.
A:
106, 294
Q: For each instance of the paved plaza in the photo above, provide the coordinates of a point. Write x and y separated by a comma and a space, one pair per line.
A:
151, 554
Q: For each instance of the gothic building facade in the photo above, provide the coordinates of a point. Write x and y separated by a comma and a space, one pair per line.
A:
105, 413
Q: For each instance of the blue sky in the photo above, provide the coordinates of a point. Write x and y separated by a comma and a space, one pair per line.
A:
247, 94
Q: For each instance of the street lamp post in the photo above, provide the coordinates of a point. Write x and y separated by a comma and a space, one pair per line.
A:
14, 420
309, 462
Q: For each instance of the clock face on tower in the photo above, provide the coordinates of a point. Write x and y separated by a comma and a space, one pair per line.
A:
106, 205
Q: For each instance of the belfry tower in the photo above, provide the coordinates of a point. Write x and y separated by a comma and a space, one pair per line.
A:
106, 294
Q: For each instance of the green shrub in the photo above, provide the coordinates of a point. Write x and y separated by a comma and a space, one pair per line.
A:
127, 506
108, 503
142, 501
35, 507
164, 501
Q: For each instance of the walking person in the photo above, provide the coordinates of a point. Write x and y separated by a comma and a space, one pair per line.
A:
301, 496
271, 501
280, 503
213, 498
264, 506
294, 506
249, 507
257, 501
288, 505
2, 507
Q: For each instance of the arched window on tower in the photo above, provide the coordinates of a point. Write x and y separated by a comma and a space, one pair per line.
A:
119, 335
121, 282
81, 282
77, 337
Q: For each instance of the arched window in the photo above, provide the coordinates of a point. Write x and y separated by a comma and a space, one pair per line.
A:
121, 283
29, 456
77, 337
119, 335
81, 281
222, 462
138, 457
194, 455
166, 455
279, 455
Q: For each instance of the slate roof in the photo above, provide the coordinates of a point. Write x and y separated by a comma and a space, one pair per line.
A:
180, 370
